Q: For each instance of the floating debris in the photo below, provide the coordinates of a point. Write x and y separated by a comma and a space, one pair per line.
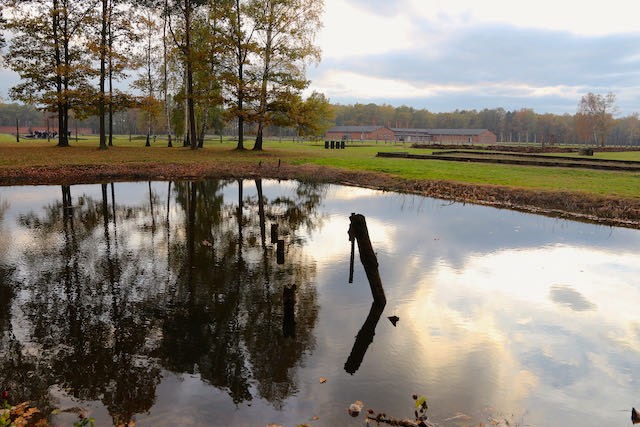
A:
355, 408
393, 320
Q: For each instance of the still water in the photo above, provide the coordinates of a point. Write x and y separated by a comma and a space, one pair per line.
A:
163, 303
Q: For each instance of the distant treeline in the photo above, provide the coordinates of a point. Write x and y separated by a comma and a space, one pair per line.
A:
523, 125
132, 121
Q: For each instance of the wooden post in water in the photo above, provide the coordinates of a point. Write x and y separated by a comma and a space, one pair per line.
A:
280, 251
289, 307
358, 230
351, 260
274, 233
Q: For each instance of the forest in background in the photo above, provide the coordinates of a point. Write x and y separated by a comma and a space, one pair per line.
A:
523, 125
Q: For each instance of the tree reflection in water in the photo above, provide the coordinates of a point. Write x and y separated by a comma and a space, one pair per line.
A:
111, 300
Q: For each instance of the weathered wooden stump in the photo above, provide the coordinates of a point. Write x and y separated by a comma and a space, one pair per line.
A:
358, 230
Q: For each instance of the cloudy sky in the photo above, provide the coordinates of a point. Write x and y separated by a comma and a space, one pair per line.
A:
444, 55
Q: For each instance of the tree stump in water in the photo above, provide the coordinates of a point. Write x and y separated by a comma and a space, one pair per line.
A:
358, 230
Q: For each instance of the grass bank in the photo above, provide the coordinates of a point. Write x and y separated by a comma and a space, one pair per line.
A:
604, 196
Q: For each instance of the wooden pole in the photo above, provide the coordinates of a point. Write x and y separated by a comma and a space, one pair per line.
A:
358, 230
351, 260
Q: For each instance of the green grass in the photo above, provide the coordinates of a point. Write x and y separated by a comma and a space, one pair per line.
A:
358, 156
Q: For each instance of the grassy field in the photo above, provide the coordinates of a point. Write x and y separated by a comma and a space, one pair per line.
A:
358, 156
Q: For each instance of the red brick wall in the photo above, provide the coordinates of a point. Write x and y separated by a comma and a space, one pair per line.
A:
487, 137
382, 134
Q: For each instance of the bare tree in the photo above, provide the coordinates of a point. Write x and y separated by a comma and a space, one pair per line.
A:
595, 115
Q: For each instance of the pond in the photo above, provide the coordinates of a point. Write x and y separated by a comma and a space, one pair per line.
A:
169, 303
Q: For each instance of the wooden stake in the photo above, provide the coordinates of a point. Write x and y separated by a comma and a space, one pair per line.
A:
358, 230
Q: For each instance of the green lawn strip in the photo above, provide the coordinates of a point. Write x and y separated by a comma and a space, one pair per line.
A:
604, 183
357, 156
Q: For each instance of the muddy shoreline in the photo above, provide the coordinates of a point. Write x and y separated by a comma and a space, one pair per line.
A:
568, 205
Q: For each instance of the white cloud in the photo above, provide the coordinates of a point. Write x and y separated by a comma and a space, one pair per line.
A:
447, 55
350, 31
344, 83
580, 17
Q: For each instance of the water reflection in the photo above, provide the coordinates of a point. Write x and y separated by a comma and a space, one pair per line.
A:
364, 337
164, 300
109, 299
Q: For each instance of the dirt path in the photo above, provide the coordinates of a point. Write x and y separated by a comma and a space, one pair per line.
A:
602, 210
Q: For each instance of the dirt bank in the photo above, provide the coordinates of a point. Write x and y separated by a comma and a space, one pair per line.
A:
602, 210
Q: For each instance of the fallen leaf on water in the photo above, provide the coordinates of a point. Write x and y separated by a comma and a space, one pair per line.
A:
323, 380
315, 418
355, 408
635, 416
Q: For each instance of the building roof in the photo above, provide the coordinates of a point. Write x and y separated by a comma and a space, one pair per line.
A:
351, 129
457, 131
409, 131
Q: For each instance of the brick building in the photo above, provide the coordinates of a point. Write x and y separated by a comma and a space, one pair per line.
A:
445, 136
360, 133
434, 136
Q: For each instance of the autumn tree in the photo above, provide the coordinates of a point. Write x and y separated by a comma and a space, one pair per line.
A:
524, 122
314, 116
185, 9
165, 71
238, 34
49, 54
121, 38
165, 9
595, 115
102, 49
208, 51
285, 35
146, 81
2, 23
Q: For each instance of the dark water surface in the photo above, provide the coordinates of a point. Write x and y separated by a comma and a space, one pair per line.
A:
163, 302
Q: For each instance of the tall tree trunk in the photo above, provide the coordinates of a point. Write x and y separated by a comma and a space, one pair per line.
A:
262, 109
149, 90
103, 52
167, 110
58, 57
203, 128
185, 142
189, 67
257, 146
240, 59
63, 132
110, 34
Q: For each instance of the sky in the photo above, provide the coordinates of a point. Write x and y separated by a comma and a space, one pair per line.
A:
469, 54
446, 55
